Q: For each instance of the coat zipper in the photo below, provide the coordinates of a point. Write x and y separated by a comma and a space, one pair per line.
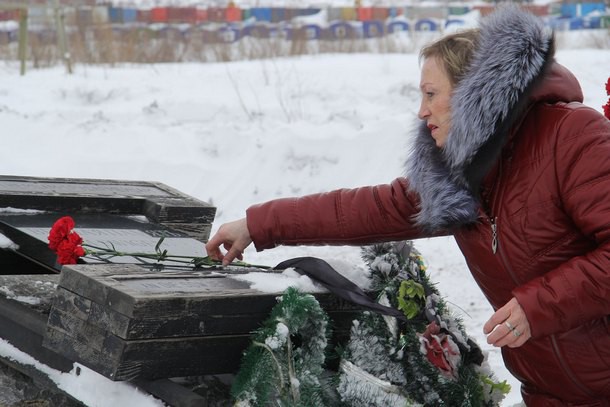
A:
495, 247
493, 221
494, 234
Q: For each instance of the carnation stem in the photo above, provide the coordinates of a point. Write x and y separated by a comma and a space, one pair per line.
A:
106, 253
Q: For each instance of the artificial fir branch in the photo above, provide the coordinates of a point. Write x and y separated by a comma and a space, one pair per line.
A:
386, 361
276, 363
392, 270
258, 381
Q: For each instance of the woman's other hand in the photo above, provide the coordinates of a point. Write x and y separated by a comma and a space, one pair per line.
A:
508, 326
234, 237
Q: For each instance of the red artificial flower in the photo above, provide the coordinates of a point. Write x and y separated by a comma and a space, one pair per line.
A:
440, 350
65, 241
608, 87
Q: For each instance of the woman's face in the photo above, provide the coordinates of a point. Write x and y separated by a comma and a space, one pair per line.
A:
435, 106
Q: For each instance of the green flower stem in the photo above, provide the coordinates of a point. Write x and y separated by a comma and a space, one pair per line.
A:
162, 256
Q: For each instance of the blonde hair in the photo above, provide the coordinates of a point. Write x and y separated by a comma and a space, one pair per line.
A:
455, 52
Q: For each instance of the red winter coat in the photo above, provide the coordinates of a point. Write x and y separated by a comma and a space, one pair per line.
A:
549, 196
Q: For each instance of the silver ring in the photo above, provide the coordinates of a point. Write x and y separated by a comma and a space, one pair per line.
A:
516, 333
510, 327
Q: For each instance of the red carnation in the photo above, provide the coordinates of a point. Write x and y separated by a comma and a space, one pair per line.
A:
70, 249
60, 231
440, 350
65, 241
608, 87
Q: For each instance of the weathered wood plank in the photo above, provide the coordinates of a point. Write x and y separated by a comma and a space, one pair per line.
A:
160, 203
118, 319
131, 234
36, 292
24, 305
79, 351
54, 395
171, 324
128, 360
157, 325
23, 323
133, 303
77, 329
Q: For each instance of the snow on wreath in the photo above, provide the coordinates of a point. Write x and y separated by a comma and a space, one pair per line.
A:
425, 360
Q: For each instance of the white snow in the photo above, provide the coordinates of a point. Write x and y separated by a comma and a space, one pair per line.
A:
277, 283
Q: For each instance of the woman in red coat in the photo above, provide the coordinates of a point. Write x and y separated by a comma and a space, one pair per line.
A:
509, 161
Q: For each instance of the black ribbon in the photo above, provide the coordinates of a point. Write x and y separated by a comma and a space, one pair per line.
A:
330, 278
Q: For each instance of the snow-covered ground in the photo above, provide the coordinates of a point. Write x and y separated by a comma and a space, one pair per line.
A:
235, 134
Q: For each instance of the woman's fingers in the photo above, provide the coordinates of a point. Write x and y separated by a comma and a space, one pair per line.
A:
508, 326
234, 237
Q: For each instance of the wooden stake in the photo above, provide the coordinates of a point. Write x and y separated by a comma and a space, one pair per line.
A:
23, 37
61, 36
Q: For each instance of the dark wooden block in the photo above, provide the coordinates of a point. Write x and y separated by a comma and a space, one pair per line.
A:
152, 359
128, 322
158, 202
25, 301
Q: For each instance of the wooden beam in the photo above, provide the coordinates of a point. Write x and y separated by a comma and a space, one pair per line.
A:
24, 306
158, 202
23, 324
40, 379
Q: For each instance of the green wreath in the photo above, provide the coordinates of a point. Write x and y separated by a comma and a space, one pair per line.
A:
284, 362
427, 361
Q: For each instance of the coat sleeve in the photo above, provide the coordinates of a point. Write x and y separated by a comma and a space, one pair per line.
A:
343, 217
579, 289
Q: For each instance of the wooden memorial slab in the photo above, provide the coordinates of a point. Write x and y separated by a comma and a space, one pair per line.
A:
128, 322
158, 202
130, 234
132, 216
124, 317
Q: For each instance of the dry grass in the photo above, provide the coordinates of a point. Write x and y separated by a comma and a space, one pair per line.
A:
105, 45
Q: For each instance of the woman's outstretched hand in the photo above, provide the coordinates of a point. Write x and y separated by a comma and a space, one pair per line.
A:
508, 326
234, 237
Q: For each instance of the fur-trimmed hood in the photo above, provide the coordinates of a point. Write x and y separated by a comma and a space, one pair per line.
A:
513, 53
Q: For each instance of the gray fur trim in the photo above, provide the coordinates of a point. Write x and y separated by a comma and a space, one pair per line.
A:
443, 202
513, 50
